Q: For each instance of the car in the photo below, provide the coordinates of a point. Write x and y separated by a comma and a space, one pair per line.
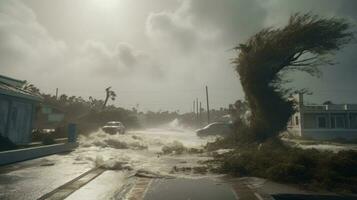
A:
114, 127
216, 128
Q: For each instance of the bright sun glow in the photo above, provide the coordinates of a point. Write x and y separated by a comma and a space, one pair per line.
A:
106, 4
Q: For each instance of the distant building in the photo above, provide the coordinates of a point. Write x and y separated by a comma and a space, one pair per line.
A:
324, 121
49, 117
17, 110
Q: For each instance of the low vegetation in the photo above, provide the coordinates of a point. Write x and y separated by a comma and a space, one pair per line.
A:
308, 168
89, 114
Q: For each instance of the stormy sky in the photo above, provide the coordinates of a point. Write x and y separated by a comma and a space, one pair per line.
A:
156, 54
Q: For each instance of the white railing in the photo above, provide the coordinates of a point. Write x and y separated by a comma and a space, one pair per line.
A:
330, 107
336, 107
315, 107
351, 106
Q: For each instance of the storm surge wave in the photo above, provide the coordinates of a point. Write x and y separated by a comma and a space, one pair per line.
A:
154, 151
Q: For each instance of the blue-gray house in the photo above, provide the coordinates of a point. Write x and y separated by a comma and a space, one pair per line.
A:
17, 110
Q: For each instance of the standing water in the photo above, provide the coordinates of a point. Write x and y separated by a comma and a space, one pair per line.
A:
165, 151
156, 150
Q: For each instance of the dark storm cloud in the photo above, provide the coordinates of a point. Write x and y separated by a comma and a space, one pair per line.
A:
23, 41
237, 19
150, 45
126, 55
171, 27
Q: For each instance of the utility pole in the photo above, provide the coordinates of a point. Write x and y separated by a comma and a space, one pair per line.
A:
193, 106
208, 118
197, 108
200, 111
56, 93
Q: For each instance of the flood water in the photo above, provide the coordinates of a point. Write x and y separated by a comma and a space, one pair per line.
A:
123, 157
142, 149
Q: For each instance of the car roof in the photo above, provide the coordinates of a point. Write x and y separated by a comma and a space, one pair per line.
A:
114, 122
215, 123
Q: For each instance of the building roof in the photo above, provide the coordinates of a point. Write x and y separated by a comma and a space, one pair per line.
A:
14, 87
12, 81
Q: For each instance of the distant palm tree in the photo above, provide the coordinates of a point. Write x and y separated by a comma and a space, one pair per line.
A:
31, 88
109, 94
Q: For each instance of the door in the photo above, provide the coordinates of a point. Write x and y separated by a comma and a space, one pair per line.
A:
4, 111
20, 123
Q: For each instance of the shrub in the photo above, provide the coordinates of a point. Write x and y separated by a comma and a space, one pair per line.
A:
48, 140
288, 172
311, 168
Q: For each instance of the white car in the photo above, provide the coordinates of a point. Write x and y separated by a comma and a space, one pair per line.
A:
114, 127
216, 128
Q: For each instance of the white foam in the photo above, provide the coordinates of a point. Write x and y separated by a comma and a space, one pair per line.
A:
140, 150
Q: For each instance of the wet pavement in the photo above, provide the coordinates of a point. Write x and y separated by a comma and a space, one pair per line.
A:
118, 156
311, 197
180, 188
134, 167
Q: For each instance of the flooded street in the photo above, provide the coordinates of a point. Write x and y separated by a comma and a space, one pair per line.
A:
165, 151
155, 150
160, 163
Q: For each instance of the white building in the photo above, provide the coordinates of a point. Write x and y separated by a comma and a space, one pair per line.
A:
324, 121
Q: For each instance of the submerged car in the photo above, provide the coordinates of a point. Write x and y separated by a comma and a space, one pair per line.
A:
114, 127
216, 128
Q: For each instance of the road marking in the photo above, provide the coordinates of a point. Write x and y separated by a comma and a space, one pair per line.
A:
243, 192
68, 188
258, 196
140, 189
235, 194
147, 188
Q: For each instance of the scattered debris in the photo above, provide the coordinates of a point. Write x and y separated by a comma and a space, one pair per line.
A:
175, 147
148, 174
47, 164
200, 170
195, 150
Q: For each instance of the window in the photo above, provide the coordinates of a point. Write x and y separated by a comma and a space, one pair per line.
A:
353, 120
333, 124
296, 120
338, 121
321, 122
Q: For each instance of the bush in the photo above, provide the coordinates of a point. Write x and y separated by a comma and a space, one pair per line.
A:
48, 140
312, 168
288, 172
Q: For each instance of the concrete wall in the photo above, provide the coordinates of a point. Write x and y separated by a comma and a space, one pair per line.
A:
326, 134
7, 157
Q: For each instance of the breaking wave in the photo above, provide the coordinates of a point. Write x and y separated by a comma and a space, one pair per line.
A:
117, 141
147, 152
